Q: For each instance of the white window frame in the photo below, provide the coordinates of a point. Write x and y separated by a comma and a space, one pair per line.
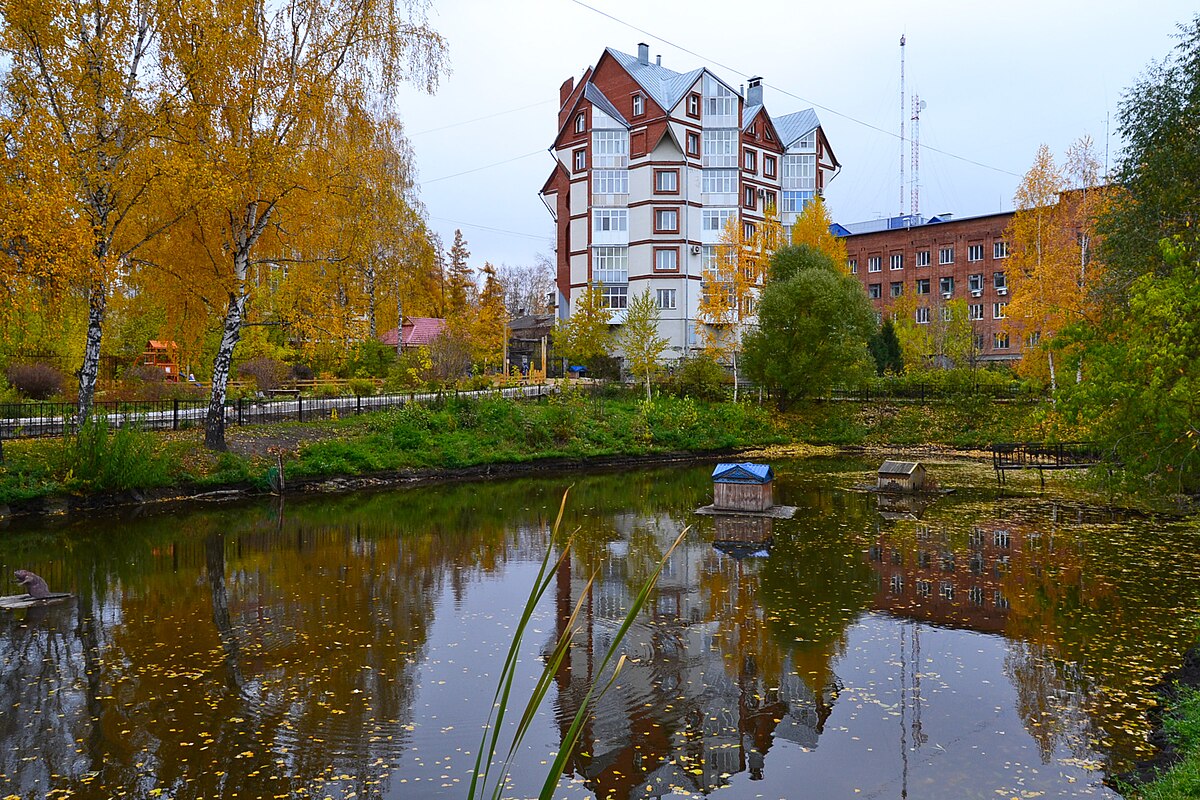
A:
975, 311
923, 284
660, 185
579, 159
716, 219
922, 258
998, 310
1000, 341
719, 148
946, 285
610, 148
975, 282
999, 249
875, 291
897, 261
610, 181
666, 220
974, 252
897, 289
874, 263
665, 299
610, 220
852, 265
921, 315
580, 122
639, 105
614, 296
946, 255
666, 259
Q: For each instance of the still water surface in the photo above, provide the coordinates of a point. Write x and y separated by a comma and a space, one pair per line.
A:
349, 646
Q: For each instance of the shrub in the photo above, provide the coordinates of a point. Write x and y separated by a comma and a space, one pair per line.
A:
370, 359
327, 390
302, 372
267, 373
362, 387
701, 377
104, 459
36, 381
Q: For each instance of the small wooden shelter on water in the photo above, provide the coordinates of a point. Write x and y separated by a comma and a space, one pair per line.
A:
901, 476
743, 487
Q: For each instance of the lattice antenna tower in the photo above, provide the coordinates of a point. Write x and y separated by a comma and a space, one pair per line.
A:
918, 106
902, 115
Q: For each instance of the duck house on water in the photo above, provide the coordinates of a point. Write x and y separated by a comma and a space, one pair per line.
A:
743, 487
901, 476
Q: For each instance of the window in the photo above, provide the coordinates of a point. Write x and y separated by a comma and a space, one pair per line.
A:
974, 252
794, 202
975, 595
897, 584
614, 297
720, 104
998, 310
875, 291
923, 286
753, 129
750, 160
946, 286
693, 144
693, 105
946, 255
873, 263
768, 165
666, 220
1033, 339
897, 288
666, 259
580, 160
666, 181
999, 600
610, 181
610, 265
924, 588
975, 311
750, 197
979, 342
719, 148
767, 131
1000, 281
715, 220
748, 230
770, 200
607, 219
1001, 341
999, 249
580, 122
1002, 539
897, 261
664, 299
922, 258
923, 315
719, 181
975, 283
639, 105
947, 314
852, 265
610, 148
947, 590
800, 172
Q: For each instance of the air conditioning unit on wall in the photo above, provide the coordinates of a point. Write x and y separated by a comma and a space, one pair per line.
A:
697, 249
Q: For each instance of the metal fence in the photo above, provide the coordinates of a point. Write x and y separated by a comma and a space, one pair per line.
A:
27, 420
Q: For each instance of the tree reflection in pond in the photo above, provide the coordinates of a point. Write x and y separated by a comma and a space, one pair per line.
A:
338, 646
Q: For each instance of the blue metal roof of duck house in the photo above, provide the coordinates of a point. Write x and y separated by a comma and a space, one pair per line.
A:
743, 473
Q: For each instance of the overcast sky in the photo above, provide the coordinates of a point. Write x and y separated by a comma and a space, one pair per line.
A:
999, 79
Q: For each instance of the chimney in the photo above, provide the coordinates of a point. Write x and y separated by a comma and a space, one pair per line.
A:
658, 61
643, 53
564, 91
754, 97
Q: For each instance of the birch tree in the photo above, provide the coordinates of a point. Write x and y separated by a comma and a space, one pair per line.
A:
256, 83
729, 288
88, 66
640, 339
812, 227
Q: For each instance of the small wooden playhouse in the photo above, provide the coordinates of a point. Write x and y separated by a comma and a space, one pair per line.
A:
743, 487
901, 476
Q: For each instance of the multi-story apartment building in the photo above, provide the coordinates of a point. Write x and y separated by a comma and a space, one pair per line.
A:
650, 165
938, 260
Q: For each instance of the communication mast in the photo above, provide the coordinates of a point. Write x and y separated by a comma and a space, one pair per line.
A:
915, 199
902, 124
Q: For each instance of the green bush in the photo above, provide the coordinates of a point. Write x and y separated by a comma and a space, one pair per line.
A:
102, 459
369, 359
701, 377
362, 387
325, 390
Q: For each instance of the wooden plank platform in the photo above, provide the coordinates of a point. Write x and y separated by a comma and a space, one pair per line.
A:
14, 602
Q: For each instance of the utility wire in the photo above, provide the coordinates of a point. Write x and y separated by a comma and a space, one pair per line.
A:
481, 119
485, 166
781, 90
493, 230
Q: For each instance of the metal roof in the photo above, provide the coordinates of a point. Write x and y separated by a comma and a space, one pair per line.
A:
665, 86
792, 126
890, 467
417, 331
596, 97
748, 114
745, 472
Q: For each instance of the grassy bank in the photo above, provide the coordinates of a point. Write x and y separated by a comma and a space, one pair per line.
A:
466, 432
1182, 730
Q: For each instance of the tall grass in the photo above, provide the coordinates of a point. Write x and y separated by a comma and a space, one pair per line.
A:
100, 458
490, 743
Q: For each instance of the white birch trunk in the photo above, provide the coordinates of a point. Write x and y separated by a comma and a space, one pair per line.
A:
1053, 377
90, 368
235, 315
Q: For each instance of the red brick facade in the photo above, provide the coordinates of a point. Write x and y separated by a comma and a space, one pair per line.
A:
940, 261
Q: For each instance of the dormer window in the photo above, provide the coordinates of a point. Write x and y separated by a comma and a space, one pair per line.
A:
693, 105
753, 129
580, 122
639, 105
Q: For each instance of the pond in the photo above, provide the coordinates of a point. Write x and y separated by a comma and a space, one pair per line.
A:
349, 646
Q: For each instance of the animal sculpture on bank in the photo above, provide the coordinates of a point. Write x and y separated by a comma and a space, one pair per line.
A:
33, 584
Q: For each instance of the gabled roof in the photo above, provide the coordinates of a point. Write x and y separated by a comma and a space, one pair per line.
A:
890, 467
597, 98
792, 126
665, 86
745, 472
748, 114
417, 331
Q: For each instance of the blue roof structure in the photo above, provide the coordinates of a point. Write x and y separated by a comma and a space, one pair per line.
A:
666, 87
792, 126
745, 472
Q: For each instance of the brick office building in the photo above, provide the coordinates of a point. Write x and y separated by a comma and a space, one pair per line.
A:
938, 260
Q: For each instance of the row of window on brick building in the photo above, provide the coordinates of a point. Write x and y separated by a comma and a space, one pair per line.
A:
945, 256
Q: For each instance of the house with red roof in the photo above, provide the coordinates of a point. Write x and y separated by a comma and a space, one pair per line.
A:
417, 332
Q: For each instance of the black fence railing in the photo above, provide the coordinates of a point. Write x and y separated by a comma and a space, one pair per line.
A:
29, 420
925, 393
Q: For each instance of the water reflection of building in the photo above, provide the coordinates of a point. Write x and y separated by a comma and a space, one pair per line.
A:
706, 690
937, 575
